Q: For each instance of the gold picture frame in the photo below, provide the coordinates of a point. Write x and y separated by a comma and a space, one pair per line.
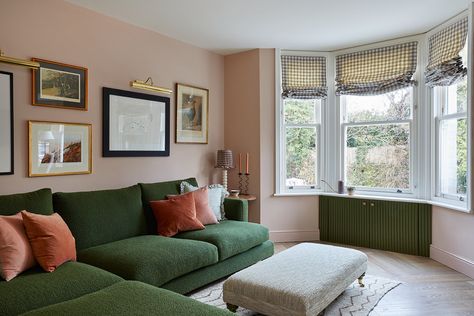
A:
192, 114
59, 148
59, 85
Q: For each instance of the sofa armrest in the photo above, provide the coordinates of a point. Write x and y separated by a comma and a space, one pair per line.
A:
236, 209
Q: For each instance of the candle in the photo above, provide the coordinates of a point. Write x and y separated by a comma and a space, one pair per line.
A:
247, 164
240, 162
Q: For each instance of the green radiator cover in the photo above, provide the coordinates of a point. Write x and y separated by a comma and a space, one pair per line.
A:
394, 226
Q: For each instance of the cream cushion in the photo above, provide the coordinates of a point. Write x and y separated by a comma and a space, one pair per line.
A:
302, 280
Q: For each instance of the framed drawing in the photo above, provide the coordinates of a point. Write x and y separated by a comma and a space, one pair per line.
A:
192, 110
59, 85
59, 148
6, 123
135, 124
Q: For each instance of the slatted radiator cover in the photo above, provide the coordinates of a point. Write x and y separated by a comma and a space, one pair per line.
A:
393, 226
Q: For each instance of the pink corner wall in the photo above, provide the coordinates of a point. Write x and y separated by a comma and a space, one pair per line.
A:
115, 53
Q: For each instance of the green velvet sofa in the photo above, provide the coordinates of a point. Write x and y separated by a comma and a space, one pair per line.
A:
117, 246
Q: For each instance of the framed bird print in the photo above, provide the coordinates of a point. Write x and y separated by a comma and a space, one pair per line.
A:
192, 110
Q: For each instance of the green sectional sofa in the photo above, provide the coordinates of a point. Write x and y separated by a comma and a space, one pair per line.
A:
121, 259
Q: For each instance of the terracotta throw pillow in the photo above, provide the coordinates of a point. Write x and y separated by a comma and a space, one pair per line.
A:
16, 255
177, 214
50, 238
204, 212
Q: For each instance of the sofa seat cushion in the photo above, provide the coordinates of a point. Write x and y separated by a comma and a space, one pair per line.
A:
131, 298
36, 288
150, 258
230, 237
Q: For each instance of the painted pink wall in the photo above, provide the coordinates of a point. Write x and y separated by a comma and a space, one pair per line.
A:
115, 53
453, 239
242, 126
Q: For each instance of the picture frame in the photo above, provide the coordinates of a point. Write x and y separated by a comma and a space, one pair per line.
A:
57, 148
60, 85
6, 124
135, 124
192, 114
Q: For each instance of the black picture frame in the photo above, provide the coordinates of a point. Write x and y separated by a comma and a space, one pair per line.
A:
4, 129
107, 93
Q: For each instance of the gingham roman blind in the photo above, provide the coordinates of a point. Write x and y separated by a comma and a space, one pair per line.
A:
303, 77
376, 71
445, 66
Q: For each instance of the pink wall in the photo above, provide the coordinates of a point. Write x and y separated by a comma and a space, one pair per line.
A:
453, 239
115, 53
242, 117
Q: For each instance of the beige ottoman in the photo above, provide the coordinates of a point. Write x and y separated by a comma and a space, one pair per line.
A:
302, 280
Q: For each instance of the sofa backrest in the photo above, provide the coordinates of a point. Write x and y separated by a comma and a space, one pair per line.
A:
99, 217
159, 191
40, 202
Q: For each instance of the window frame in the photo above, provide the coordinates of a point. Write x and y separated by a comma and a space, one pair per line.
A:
281, 126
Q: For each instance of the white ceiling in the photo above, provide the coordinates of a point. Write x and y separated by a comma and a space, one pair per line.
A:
226, 26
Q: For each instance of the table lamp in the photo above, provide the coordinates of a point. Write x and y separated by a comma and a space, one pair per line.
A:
224, 161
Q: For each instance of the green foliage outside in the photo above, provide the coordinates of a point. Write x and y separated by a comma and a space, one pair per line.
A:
461, 140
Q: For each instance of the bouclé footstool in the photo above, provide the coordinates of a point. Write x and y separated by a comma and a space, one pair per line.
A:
302, 280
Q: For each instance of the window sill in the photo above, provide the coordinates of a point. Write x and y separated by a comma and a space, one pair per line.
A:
377, 198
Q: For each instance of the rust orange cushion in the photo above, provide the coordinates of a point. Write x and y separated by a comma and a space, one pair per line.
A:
177, 214
50, 238
16, 255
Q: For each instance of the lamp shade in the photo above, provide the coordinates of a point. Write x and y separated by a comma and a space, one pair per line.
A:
224, 159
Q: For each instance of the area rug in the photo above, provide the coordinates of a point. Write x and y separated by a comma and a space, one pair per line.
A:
354, 301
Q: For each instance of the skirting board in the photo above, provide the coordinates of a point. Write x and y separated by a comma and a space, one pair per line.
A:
453, 261
294, 235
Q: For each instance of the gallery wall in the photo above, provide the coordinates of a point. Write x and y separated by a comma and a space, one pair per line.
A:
114, 53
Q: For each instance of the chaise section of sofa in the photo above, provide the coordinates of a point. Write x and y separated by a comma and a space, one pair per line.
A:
130, 298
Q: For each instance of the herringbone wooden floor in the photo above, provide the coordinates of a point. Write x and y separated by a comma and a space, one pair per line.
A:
428, 287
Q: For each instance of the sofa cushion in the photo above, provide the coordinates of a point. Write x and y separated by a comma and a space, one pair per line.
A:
131, 298
99, 217
159, 191
151, 259
35, 288
230, 237
39, 202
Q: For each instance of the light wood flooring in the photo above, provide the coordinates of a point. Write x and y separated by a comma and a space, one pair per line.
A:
428, 287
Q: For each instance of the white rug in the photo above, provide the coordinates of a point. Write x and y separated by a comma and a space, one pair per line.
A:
354, 301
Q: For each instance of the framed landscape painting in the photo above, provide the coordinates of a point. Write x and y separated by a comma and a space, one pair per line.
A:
59, 85
6, 123
59, 148
192, 110
135, 124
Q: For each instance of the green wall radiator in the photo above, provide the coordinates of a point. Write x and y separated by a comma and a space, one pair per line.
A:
394, 226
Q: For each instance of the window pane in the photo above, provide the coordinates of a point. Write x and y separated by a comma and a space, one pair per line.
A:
378, 156
301, 158
302, 111
391, 106
453, 156
456, 98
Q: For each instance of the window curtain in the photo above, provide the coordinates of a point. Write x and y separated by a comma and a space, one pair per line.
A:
376, 71
445, 66
303, 77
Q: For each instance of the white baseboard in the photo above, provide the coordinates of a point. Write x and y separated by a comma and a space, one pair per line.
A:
453, 261
294, 235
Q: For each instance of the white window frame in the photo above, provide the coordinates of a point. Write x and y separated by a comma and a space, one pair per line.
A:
280, 144
436, 117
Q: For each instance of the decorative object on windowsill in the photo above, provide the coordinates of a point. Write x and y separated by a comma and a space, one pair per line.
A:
234, 193
148, 85
350, 190
192, 107
59, 85
340, 187
244, 177
18, 62
6, 123
224, 161
135, 124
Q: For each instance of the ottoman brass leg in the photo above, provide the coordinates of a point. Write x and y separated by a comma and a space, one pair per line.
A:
361, 281
232, 307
